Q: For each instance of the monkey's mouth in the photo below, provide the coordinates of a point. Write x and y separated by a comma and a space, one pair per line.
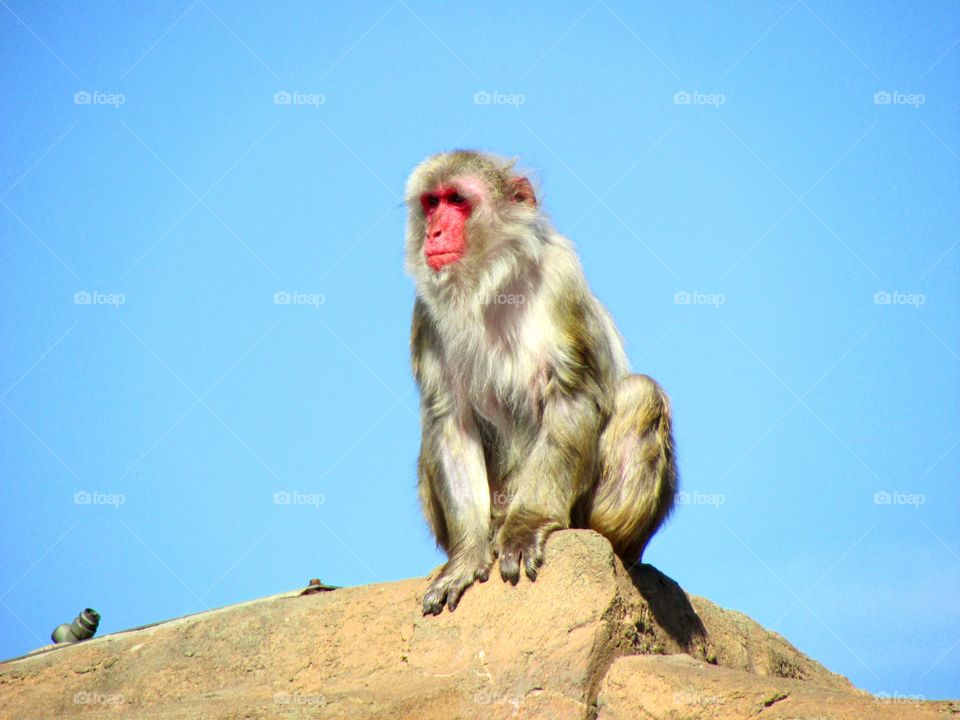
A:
440, 260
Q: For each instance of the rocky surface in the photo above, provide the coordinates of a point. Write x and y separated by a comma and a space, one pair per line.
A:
588, 639
677, 686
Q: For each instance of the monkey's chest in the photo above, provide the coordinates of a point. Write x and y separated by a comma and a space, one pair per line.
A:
504, 378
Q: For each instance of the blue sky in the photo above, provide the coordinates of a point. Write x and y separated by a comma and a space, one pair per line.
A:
763, 194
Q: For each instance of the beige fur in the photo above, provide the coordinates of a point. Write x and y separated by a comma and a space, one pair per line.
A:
530, 419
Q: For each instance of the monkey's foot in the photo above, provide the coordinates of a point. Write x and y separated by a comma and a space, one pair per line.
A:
456, 576
523, 540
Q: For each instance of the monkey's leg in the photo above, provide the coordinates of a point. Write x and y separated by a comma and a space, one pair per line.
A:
456, 501
638, 476
556, 472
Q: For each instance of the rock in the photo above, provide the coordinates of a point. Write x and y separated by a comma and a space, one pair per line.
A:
535, 650
670, 621
677, 686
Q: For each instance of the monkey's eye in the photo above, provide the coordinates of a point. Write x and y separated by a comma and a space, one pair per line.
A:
456, 198
432, 200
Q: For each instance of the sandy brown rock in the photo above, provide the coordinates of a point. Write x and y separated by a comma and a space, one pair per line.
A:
355, 652
677, 686
669, 621
537, 650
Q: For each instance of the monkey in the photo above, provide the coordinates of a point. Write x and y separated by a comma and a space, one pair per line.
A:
531, 421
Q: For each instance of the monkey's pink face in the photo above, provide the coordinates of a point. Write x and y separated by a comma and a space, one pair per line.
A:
446, 211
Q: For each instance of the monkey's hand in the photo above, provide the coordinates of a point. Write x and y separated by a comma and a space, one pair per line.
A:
521, 539
457, 575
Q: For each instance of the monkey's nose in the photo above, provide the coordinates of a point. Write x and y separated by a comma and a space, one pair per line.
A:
437, 233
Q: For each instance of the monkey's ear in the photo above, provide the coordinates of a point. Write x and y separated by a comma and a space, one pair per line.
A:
521, 191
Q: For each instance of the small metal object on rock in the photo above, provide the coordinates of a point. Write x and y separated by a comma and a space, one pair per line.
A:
83, 627
316, 586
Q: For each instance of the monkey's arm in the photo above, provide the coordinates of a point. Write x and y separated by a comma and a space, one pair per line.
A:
557, 472
452, 476
560, 468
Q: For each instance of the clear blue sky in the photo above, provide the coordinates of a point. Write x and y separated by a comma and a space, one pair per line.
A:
791, 166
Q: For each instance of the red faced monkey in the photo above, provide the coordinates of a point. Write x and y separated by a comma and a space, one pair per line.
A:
531, 419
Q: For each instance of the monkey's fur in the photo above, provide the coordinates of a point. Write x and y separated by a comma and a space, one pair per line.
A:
531, 421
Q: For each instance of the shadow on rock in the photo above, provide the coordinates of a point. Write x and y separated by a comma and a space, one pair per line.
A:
672, 610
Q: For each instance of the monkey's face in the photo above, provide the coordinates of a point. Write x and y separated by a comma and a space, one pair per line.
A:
446, 211
468, 214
